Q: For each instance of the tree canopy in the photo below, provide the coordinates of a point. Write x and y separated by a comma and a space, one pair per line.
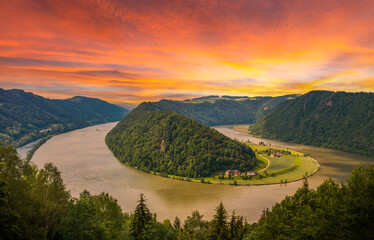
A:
216, 110
25, 117
170, 143
338, 120
34, 204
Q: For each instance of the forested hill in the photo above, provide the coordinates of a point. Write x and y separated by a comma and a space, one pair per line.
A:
169, 143
338, 120
215, 110
25, 117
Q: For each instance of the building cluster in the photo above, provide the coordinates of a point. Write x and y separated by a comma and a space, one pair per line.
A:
275, 153
238, 173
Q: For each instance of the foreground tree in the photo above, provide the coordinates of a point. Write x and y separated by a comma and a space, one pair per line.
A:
141, 218
10, 223
219, 229
94, 217
52, 196
195, 227
237, 227
332, 211
360, 203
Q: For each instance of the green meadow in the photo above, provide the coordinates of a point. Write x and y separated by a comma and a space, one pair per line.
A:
291, 166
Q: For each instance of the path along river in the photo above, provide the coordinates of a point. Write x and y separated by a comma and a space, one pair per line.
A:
85, 162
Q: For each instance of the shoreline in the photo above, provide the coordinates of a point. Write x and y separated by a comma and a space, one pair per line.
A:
39, 142
209, 180
239, 181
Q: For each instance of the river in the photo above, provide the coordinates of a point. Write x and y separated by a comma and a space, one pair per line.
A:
22, 151
85, 162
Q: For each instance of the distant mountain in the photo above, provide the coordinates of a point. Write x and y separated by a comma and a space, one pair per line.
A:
169, 143
215, 110
127, 105
338, 120
25, 117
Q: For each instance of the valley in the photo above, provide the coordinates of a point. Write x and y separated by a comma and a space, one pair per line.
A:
86, 162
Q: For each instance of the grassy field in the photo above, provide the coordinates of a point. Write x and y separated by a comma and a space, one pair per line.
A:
241, 128
260, 148
291, 166
279, 163
283, 169
261, 163
303, 166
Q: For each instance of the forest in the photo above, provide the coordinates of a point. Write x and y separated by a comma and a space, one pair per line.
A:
169, 143
35, 204
224, 110
25, 117
337, 120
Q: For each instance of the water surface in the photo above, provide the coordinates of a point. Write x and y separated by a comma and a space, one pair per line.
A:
85, 162
22, 151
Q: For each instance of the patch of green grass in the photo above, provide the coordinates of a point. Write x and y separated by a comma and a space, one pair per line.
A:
279, 163
260, 163
303, 166
283, 169
259, 148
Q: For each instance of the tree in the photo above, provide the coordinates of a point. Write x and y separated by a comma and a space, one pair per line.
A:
360, 202
94, 217
195, 227
52, 198
10, 223
237, 229
177, 223
141, 218
219, 228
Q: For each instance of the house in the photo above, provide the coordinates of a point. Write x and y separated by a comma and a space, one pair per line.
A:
233, 172
251, 173
275, 153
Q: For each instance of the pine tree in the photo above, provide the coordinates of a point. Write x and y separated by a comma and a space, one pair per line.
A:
141, 218
177, 223
237, 229
233, 230
219, 229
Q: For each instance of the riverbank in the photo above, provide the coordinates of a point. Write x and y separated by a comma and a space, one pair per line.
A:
30, 153
86, 163
290, 167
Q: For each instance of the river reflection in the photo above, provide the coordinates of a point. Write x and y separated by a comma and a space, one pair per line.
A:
85, 162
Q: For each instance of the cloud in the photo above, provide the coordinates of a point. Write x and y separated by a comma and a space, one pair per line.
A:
148, 48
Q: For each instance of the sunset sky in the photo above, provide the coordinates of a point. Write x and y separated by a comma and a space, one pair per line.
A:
148, 50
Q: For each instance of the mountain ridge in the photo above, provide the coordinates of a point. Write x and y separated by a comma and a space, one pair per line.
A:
337, 120
215, 110
25, 116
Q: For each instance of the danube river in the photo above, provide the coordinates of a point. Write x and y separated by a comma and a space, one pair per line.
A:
85, 162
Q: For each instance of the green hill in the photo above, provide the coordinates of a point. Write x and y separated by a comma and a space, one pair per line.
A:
337, 120
25, 117
216, 110
169, 143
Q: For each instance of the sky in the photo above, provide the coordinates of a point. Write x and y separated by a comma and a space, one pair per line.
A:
133, 51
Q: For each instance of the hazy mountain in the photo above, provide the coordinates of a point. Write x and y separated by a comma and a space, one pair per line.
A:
216, 110
338, 120
25, 116
170, 143
127, 105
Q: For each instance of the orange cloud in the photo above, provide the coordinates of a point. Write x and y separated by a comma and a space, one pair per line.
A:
147, 50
